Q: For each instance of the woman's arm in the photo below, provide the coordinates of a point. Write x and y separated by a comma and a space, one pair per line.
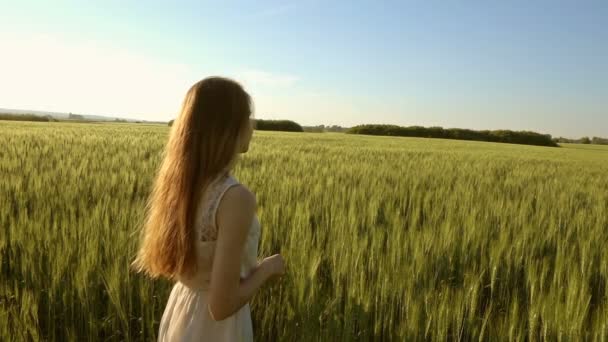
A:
227, 292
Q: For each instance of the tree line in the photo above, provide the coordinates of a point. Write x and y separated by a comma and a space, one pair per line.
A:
583, 140
277, 125
323, 128
26, 117
502, 136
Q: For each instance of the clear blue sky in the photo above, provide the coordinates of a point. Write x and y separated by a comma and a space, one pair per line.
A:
522, 65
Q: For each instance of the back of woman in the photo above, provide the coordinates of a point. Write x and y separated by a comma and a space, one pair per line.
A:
201, 229
185, 317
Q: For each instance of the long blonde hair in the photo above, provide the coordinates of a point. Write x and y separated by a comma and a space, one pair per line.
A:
203, 142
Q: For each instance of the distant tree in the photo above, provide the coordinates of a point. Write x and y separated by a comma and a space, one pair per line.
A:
583, 140
314, 129
26, 117
323, 128
75, 117
335, 128
599, 141
171, 123
564, 140
504, 136
277, 125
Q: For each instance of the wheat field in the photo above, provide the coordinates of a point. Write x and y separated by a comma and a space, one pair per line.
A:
385, 238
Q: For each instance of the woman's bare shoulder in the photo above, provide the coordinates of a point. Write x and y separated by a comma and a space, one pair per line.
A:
237, 200
240, 194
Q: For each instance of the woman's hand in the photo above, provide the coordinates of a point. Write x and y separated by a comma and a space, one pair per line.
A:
273, 266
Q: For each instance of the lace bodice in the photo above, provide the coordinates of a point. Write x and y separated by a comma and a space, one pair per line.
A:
205, 220
207, 232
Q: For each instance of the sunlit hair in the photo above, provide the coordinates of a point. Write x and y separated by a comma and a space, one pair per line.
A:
203, 142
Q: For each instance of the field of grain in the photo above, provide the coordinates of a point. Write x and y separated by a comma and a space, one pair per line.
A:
385, 238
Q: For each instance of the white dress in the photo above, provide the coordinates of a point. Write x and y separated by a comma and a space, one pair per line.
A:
186, 316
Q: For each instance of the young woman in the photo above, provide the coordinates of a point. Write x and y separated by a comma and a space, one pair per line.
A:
201, 229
